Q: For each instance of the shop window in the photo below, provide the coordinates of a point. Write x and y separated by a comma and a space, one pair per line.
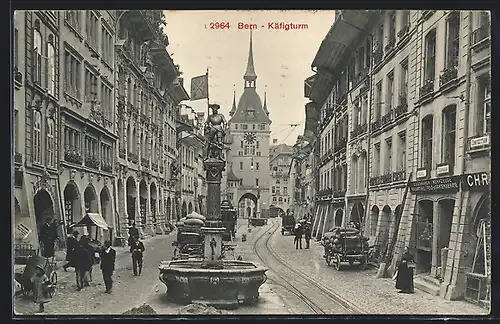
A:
427, 133
449, 132
430, 56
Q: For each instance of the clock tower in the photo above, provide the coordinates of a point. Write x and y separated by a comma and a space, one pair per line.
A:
249, 133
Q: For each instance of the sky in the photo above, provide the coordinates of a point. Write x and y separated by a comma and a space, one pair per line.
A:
282, 59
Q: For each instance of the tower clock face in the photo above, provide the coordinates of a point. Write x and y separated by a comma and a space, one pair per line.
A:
250, 138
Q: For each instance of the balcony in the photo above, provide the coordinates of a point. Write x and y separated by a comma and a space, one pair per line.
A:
340, 144
386, 119
106, 166
378, 55
92, 161
403, 32
18, 78
400, 110
386, 178
73, 156
338, 193
358, 130
376, 125
122, 152
450, 74
325, 192
398, 175
360, 76
427, 90
375, 181
134, 158
144, 162
390, 45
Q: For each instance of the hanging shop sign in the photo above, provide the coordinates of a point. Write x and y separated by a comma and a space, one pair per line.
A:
444, 184
478, 180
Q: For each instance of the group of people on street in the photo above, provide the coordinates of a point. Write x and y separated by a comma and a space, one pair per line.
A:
302, 229
82, 256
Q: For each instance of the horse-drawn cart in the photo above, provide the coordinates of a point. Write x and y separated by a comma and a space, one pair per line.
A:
345, 245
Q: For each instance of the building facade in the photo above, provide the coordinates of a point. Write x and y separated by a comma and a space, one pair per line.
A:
191, 143
249, 132
36, 122
87, 115
280, 158
418, 147
149, 92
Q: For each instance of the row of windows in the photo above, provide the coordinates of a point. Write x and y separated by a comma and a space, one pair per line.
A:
335, 179
387, 165
249, 150
242, 145
384, 105
278, 181
93, 32
277, 190
76, 73
46, 144
280, 199
254, 126
334, 136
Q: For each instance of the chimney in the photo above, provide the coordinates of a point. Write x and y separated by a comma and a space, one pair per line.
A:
275, 141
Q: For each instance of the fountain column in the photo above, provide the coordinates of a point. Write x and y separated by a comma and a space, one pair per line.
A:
213, 229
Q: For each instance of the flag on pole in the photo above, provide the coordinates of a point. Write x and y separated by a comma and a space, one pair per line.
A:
199, 87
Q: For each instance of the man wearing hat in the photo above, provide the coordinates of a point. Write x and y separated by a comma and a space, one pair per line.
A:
71, 250
307, 233
108, 258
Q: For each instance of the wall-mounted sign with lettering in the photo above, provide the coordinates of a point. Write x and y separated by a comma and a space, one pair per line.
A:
445, 184
476, 180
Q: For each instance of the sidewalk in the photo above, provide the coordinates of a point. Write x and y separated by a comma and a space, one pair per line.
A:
62, 276
360, 287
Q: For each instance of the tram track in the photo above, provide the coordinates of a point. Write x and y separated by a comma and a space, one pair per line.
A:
286, 282
291, 282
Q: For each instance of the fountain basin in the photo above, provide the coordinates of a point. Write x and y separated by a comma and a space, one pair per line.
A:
237, 283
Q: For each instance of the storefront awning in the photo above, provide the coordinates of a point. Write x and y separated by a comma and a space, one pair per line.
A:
92, 219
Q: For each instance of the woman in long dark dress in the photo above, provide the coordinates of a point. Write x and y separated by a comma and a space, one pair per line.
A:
404, 279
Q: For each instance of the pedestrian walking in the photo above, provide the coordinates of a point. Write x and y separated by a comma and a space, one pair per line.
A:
91, 257
83, 263
307, 233
41, 285
404, 277
137, 250
133, 233
71, 245
48, 237
108, 258
298, 236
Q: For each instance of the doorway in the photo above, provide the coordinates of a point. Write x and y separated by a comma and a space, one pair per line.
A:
445, 207
423, 236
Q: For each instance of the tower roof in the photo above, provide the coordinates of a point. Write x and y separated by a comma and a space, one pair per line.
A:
250, 72
231, 176
265, 102
233, 108
249, 109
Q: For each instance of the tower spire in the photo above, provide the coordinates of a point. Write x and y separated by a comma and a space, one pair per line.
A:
250, 75
233, 108
265, 101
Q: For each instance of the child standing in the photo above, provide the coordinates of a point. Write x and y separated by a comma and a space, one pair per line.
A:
40, 284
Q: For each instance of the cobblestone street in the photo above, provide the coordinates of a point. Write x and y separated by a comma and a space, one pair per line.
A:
128, 290
374, 296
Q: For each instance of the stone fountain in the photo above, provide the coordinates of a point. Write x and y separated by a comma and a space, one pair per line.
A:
213, 280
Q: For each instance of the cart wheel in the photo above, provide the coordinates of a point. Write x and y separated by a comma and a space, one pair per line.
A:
328, 259
337, 262
53, 277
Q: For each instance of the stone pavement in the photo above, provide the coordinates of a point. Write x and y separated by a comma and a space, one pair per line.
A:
375, 296
128, 290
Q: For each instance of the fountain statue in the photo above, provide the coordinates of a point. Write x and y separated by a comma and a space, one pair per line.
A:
213, 280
